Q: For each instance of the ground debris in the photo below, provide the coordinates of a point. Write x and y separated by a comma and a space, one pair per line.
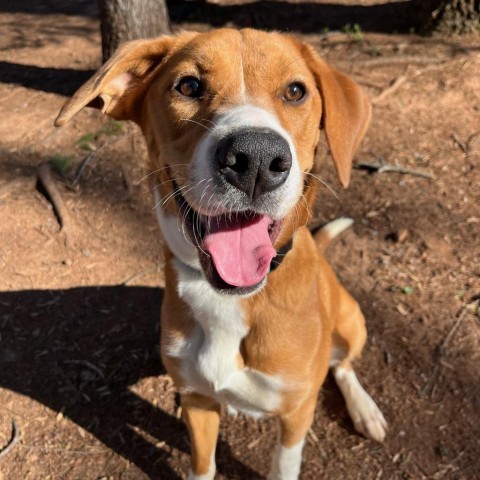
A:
442, 348
383, 167
13, 440
402, 60
393, 87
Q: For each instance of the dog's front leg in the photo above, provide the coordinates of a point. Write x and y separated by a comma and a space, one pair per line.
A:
294, 426
202, 416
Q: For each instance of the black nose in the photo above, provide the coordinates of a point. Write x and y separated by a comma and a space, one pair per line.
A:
255, 161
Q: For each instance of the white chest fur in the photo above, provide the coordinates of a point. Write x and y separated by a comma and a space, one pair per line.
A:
209, 357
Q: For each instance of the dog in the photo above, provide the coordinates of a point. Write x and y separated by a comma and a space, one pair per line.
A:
253, 317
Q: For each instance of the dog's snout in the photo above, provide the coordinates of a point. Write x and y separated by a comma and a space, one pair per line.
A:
255, 161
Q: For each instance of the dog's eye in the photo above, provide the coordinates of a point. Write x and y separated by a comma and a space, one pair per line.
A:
190, 87
294, 92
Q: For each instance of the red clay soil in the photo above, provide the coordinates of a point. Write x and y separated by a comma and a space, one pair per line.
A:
79, 370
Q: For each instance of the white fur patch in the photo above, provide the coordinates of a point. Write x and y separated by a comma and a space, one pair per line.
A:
210, 475
243, 86
210, 355
280, 201
175, 234
286, 462
366, 416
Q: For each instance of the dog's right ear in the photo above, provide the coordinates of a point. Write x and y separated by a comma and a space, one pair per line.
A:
116, 87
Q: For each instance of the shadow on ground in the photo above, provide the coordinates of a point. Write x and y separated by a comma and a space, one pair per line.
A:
63, 81
305, 17
79, 350
87, 8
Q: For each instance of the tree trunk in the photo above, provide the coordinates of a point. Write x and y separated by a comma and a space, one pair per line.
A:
123, 20
449, 16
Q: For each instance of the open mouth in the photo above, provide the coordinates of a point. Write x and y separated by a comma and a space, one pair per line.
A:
236, 249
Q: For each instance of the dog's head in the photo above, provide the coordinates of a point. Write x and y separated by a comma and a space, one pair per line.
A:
232, 121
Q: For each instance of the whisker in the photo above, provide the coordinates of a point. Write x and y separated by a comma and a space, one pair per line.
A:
210, 121
190, 189
158, 185
158, 170
174, 192
185, 235
309, 211
203, 194
297, 214
201, 200
195, 122
323, 182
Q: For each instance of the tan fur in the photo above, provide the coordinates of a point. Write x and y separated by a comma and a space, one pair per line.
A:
303, 308
202, 417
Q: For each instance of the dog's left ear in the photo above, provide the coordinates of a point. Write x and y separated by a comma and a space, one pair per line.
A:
117, 85
346, 112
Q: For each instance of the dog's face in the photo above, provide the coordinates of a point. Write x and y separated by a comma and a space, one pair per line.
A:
232, 121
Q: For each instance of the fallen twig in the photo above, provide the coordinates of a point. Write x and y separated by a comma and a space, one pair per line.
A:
391, 89
133, 277
91, 156
44, 176
86, 364
313, 436
81, 168
13, 440
462, 145
368, 83
406, 60
469, 141
465, 146
382, 167
441, 349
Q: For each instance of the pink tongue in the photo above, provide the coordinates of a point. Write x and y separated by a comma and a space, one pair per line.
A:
241, 249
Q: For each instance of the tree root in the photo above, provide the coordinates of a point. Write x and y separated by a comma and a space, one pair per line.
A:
44, 177
13, 440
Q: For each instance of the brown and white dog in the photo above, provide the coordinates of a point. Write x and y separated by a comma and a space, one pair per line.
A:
232, 120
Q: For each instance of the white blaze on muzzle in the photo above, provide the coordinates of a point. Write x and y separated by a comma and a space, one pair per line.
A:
241, 227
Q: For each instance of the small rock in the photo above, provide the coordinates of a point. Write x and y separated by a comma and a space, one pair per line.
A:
401, 235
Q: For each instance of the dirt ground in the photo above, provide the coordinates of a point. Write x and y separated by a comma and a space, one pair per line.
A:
79, 371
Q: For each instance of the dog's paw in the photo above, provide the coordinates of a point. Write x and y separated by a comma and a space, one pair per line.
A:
367, 417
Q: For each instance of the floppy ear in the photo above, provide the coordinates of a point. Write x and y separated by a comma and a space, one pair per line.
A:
117, 85
346, 112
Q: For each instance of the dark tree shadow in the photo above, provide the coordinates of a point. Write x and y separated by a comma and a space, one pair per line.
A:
63, 81
87, 8
78, 351
306, 17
